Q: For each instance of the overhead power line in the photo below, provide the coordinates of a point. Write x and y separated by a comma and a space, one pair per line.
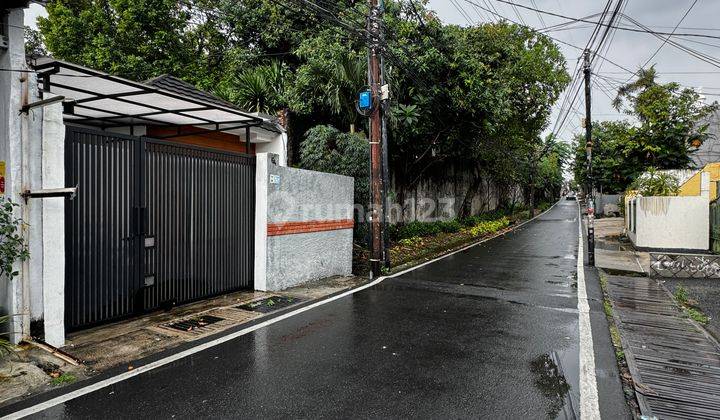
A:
540, 17
572, 92
666, 39
462, 11
608, 28
670, 72
692, 52
559, 41
645, 30
591, 47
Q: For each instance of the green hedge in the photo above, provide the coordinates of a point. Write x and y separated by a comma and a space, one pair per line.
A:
422, 229
415, 229
490, 226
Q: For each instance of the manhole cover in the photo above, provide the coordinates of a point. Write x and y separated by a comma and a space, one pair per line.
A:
273, 303
193, 324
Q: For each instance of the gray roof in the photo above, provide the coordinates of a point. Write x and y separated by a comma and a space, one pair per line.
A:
181, 87
710, 150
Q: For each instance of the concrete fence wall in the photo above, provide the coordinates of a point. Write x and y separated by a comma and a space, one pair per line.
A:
440, 195
32, 158
602, 199
670, 223
303, 225
13, 293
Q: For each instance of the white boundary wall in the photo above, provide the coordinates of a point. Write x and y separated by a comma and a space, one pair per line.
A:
13, 293
680, 223
32, 149
303, 225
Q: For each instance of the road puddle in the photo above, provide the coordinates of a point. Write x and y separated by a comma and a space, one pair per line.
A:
558, 283
551, 382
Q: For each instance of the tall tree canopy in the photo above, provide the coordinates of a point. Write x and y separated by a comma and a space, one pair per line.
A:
477, 95
669, 125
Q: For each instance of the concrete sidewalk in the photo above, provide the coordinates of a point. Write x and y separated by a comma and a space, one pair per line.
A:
613, 253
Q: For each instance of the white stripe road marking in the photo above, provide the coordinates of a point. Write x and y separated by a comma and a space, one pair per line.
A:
185, 353
589, 405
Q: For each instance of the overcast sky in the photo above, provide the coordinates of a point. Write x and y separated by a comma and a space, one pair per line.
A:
628, 49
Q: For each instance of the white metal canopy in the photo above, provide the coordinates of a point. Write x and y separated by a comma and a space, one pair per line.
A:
98, 99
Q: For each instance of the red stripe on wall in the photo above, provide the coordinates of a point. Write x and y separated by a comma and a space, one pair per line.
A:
292, 228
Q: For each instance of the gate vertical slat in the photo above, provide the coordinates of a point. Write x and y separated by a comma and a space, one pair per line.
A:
93, 203
171, 173
109, 213
209, 228
213, 228
179, 216
94, 216
123, 214
225, 227
106, 295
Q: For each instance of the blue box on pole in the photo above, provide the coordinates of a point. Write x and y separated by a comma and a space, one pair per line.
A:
365, 100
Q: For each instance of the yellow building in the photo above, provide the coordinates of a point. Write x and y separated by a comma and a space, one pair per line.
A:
693, 186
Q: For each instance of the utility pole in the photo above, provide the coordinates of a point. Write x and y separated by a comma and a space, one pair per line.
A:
385, 163
588, 151
376, 185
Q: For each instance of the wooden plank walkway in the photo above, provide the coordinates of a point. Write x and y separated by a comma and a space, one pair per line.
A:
675, 364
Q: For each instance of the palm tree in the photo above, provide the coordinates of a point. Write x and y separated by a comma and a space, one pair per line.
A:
646, 78
259, 89
337, 84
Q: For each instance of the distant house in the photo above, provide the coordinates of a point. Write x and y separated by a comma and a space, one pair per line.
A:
678, 223
703, 182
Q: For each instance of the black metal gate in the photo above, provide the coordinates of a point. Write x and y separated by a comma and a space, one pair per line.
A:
153, 223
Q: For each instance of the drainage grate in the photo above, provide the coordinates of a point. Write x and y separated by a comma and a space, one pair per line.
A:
273, 303
193, 324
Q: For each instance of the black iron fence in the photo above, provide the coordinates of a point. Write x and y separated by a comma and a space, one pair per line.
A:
154, 223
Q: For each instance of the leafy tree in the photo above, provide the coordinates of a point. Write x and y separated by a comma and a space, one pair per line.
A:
612, 171
137, 39
34, 46
654, 183
457, 101
544, 168
330, 77
669, 119
476, 96
327, 149
668, 129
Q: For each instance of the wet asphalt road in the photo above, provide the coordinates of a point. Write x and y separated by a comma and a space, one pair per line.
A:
489, 332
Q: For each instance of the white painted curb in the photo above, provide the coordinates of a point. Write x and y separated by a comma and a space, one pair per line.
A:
589, 404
